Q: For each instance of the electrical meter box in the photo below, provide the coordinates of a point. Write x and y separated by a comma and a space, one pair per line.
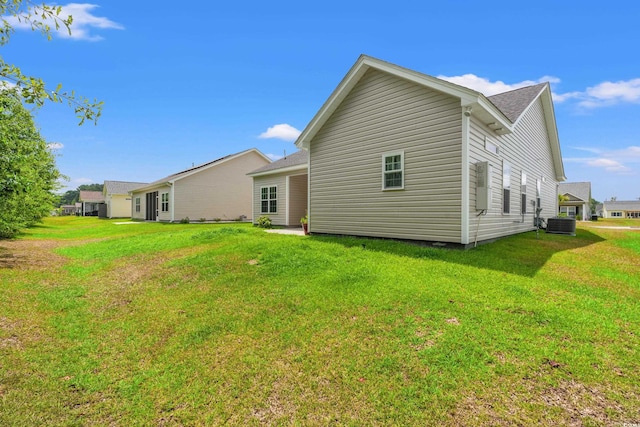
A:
483, 185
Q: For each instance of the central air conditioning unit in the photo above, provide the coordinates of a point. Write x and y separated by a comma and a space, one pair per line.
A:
562, 226
483, 186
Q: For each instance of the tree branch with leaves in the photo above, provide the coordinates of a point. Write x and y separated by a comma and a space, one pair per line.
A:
33, 90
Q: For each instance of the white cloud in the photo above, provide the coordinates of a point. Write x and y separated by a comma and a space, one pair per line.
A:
81, 181
488, 88
614, 161
55, 145
83, 22
610, 93
282, 131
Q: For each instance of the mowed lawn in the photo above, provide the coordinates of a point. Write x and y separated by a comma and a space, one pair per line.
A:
151, 324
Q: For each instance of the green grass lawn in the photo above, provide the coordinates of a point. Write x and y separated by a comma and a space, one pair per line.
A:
216, 324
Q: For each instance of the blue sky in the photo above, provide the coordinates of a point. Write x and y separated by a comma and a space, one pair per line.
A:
187, 84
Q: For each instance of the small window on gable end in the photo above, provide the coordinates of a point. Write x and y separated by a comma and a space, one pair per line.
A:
490, 146
393, 171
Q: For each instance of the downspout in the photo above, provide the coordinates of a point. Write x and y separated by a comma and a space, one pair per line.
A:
286, 198
465, 182
171, 202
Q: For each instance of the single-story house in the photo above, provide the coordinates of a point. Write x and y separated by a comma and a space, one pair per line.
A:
394, 153
621, 209
66, 210
117, 198
280, 190
577, 203
90, 202
217, 190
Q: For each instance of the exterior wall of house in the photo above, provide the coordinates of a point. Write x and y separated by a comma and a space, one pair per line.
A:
297, 202
291, 197
162, 216
118, 205
221, 191
526, 149
280, 182
382, 114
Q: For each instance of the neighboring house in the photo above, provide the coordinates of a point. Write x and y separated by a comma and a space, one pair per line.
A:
217, 190
117, 198
280, 190
90, 202
68, 210
621, 209
394, 153
578, 198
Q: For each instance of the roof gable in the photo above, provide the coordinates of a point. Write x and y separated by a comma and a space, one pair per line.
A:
579, 190
205, 166
514, 103
297, 160
500, 113
121, 187
91, 196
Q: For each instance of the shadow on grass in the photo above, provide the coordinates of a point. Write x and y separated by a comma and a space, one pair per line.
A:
523, 254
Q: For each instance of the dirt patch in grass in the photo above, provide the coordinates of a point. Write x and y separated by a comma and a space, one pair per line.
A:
529, 402
30, 254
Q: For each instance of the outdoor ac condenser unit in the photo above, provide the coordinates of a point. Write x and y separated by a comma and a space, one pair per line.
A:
483, 185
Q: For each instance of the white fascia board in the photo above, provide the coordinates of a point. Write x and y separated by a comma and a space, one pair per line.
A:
295, 168
552, 129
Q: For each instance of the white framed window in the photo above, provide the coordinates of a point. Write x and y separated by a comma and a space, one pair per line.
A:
393, 170
538, 194
165, 202
523, 193
490, 146
269, 199
570, 211
137, 204
506, 187
616, 214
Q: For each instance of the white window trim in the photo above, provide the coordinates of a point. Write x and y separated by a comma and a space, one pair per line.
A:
491, 147
162, 202
268, 187
506, 167
384, 156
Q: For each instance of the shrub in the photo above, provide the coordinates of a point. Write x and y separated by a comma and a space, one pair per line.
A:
185, 220
264, 222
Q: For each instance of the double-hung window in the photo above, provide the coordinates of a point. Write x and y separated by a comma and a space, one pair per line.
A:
137, 204
506, 187
393, 171
165, 202
268, 199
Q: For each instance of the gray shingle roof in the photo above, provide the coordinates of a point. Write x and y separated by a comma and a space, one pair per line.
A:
91, 196
121, 187
296, 159
581, 190
623, 205
186, 171
513, 103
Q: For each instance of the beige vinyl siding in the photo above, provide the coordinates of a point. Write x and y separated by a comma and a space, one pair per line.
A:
384, 113
220, 191
280, 181
297, 201
119, 206
143, 206
528, 149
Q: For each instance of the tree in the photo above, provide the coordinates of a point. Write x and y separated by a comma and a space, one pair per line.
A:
32, 89
28, 172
